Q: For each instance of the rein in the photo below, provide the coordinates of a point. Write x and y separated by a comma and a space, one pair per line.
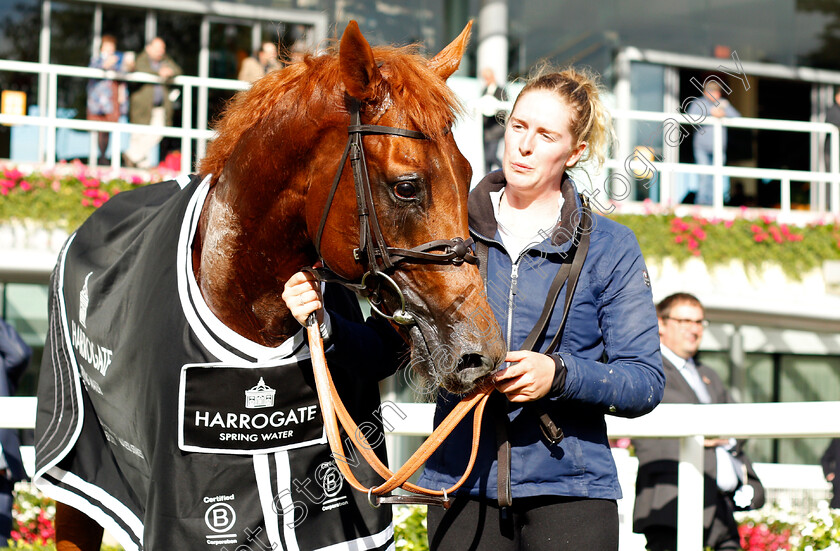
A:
333, 411
379, 258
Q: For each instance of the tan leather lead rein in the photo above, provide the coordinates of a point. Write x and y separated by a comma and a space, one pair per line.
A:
333, 410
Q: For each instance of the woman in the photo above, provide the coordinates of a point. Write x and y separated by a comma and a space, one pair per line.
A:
531, 222
106, 99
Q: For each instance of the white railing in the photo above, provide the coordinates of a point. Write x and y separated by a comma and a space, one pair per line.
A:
626, 162
631, 164
691, 423
48, 119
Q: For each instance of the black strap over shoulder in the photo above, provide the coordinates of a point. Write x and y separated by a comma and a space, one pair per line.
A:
569, 272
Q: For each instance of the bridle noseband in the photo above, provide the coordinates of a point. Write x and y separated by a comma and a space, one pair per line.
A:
373, 251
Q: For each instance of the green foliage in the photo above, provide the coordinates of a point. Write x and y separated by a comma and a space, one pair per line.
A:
410, 528
821, 530
754, 242
65, 197
32, 521
61, 198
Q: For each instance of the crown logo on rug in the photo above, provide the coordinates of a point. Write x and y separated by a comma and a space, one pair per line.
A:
83, 302
259, 396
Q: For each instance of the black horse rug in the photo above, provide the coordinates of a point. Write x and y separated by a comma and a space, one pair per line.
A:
168, 428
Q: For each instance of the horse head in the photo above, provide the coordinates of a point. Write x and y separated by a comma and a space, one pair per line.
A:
286, 180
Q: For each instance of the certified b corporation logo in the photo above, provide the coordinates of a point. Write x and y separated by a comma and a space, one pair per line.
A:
220, 517
329, 478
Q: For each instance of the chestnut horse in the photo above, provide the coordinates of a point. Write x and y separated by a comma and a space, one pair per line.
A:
282, 187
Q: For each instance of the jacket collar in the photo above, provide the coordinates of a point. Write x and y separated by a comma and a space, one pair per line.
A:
483, 222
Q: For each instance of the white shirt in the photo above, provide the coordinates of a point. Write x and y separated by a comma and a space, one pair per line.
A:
689, 372
516, 242
728, 468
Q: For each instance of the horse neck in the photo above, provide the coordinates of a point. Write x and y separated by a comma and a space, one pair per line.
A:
246, 248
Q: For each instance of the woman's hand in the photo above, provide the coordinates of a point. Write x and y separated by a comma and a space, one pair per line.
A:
302, 294
528, 378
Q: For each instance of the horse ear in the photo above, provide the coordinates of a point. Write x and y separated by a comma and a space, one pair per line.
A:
447, 61
359, 72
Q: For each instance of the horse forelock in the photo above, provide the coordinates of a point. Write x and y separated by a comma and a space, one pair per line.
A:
304, 93
418, 92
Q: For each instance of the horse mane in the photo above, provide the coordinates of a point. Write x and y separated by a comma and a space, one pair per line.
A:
288, 96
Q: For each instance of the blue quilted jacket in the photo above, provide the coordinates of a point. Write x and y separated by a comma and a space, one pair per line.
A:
610, 348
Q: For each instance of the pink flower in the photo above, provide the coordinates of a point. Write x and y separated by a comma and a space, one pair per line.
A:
759, 237
13, 174
699, 234
728, 223
678, 239
56, 185
25, 186
678, 225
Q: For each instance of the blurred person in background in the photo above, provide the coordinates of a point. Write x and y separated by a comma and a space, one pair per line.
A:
14, 358
711, 102
492, 109
260, 64
107, 99
730, 483
831, 465
151, 103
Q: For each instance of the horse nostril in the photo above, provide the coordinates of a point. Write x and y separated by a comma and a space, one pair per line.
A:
474, 361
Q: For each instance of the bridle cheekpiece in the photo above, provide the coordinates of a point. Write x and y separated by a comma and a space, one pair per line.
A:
378, 257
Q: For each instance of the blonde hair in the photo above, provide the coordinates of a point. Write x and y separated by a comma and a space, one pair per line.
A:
581, 89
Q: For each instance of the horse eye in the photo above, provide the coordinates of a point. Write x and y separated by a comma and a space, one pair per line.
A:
405, 190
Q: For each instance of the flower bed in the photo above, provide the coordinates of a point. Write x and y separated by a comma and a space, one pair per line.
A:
65, 196
768, 529
754, 241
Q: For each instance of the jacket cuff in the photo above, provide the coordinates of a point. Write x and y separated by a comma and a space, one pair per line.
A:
560, 371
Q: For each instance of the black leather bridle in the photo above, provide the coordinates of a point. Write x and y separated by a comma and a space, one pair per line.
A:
378, 257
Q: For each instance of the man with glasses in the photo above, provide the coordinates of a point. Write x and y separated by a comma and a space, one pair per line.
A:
730, 482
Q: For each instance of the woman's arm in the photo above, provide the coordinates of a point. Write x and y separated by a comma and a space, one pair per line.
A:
630, 380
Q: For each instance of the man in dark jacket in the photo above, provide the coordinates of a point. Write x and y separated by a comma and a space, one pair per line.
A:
494, 130
730, 482
831, 465
833, 117
14, 357
151, 103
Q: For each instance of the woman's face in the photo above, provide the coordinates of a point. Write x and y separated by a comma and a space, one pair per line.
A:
539, 145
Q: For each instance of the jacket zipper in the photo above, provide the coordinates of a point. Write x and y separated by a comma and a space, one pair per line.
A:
514, 283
